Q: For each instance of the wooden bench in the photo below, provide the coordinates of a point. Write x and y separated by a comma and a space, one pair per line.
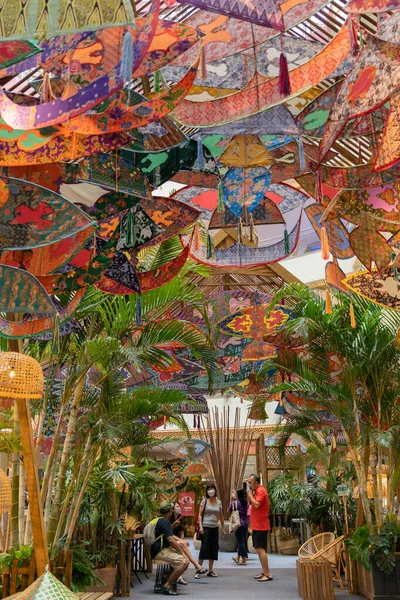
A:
162, 573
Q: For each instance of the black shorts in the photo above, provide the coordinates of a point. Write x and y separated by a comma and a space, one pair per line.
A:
260, 539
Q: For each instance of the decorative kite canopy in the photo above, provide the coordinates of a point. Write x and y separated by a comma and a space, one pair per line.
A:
5, 493
195, 469
47, 587
192, 448
21, 376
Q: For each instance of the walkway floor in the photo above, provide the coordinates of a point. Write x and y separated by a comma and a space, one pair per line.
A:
237, 583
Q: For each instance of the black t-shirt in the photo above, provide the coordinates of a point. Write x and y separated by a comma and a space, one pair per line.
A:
164, 529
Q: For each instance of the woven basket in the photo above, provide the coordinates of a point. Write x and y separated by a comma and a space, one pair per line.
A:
315, 544
107, 576
21, 376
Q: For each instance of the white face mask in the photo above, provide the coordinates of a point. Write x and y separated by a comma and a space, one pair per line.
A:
177, 510
211, 493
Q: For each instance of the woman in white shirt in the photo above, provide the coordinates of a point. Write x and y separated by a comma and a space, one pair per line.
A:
209, 516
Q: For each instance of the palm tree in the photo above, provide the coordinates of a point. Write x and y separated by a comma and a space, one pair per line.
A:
362, 395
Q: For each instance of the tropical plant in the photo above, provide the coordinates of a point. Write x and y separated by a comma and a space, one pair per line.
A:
381, 546
362, 391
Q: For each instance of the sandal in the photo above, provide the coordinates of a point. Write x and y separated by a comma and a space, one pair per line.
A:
211, 574
201, 571
235, 560
182, 581
265, 578
260, 576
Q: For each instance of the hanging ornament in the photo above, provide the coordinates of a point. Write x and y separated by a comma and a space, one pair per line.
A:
138, 311
284, 79
157, 81
210, 247
352, 317
196, 237
324, 243
200, 152
319, 195
353, 33
302, 157
280, 409
328, 302
286, 241
203, 64
126, 67
221, 204
170, 3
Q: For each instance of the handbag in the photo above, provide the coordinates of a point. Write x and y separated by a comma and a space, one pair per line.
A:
199, 536
234, 519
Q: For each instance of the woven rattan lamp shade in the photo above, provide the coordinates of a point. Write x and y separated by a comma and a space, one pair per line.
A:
5, 493
21, 376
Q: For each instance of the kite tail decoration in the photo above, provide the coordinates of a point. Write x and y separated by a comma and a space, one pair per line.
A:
126, 65
328, 303
200, 154
319, 196
355, 46
324, 243
210, 247
302, 156
196, 234
352, 317
138, 311
203, 64
221, 205
285, 88
157, 81
286, 241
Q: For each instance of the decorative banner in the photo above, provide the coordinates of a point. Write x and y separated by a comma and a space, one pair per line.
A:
389, 145
31, 216
380, 287
262, 92
187, 502
260, 12
374, 77
12, 52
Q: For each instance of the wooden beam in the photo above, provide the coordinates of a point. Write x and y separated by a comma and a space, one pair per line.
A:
283, 273
32, 484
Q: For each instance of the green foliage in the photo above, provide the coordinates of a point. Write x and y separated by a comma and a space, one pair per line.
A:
381, 546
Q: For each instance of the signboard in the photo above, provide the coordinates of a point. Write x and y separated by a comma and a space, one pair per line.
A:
186, 502
343, 490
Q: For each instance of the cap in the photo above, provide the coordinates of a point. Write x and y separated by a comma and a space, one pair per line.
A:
166, 506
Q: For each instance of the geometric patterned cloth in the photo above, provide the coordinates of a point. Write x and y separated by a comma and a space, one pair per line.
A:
260, 12
389, 148
47, 587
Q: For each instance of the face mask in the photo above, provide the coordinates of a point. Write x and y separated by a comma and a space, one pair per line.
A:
234, 496
249, 485
177, 510
211, 493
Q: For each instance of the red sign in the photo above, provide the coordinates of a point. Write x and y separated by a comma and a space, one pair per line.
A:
186, 502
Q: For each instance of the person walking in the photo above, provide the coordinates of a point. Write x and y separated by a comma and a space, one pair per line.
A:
257, 496
241, 505
209, 516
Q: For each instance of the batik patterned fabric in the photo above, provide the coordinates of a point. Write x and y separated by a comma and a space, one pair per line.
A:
114, 172
31, 216
355, 178
122, 271
339, 245
46, 259
117, 115
86, 98
32, 326
371, 81
245, 151
389, 28
389, 145
334, 277
266, 213
12, 52
22, 293
47, 587
261, 12
224, 36
370, 247
157, 136
262, 92
234, 72
43, 146
245, 187
381, 287
277, 120
289, 201
371, 6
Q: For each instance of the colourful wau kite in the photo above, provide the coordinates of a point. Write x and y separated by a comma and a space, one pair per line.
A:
13, 51
88, 97
371, 6
32, 216
262, 92
20, 292
260, 12
381, 287
389, 145
373, 79
339, 244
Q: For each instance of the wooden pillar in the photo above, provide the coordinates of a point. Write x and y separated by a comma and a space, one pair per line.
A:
32, 484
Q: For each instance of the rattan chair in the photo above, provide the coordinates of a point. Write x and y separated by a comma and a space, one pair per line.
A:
315, 544
333, 554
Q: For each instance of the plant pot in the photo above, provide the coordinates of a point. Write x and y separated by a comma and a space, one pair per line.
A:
228, 542
107, 575
289, 547
377, 585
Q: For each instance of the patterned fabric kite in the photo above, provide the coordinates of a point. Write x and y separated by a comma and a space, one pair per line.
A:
31, 216
374, 77
12, 52
245, 151
191, 448
371, 6
114, 172
86, 98
32, 326
389, 146
381, 287
245, 187
261, 12
262, 92
22, 293
339, 244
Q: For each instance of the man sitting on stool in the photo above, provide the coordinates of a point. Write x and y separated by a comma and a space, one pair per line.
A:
166, 547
